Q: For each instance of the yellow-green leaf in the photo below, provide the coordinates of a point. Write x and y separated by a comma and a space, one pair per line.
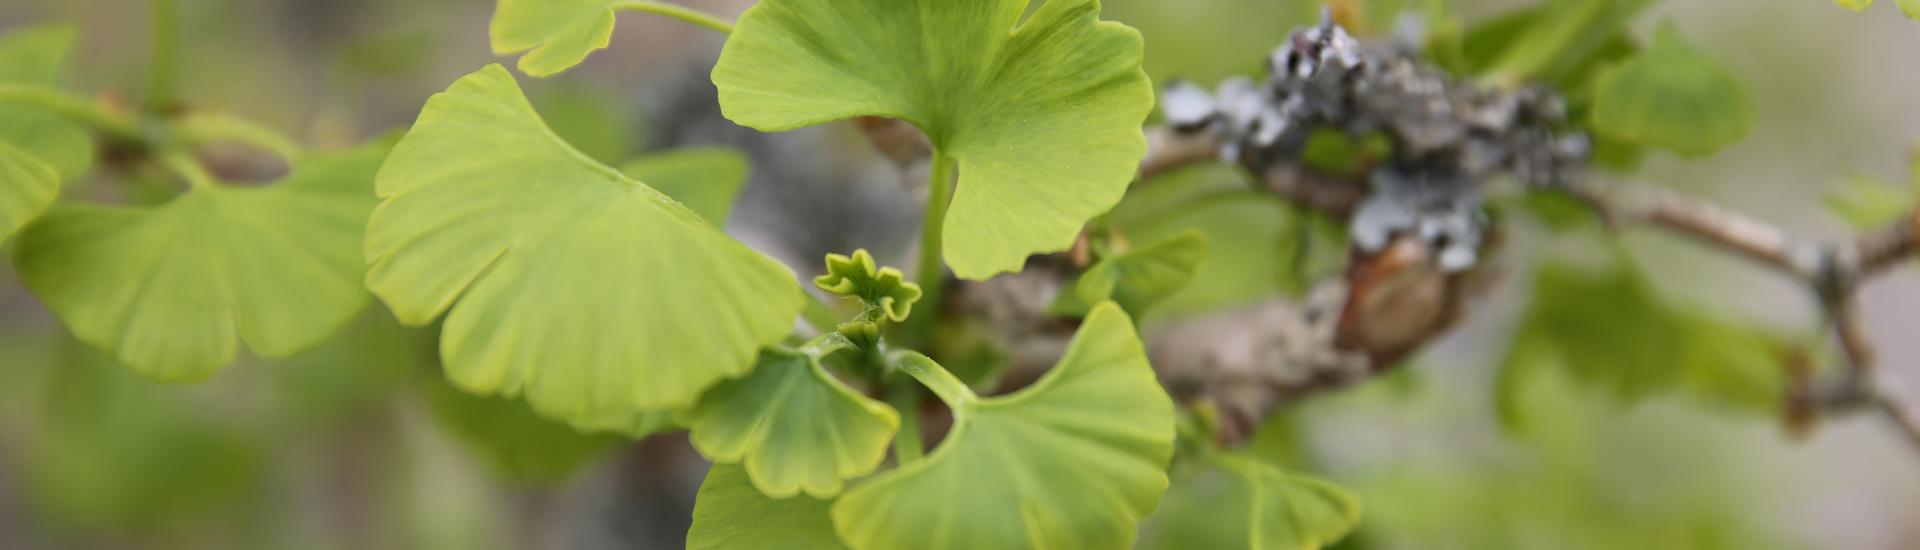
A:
27, 186
1073, 461
792, 426
1285, 510
1671, 96
555, 34
172, 289
34, 56
590, 293
1138, 278
1043, 115
1246, 503
1910, 7
729, 513
704, 179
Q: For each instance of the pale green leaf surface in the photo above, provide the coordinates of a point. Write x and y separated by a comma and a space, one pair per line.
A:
1910, 7
27, 186
1608, 328
1551, 41
1292, 511
1044, 120
793, 426
561, 279
704, 179
1867, 203
601, 123
172, 289
555, 34
1245, 503
729, 513
632, 424
1671, 96
35, 56
1139, 278
1073, 461
1855, 5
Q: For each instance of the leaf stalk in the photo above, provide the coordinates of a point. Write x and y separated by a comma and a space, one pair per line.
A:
682, 13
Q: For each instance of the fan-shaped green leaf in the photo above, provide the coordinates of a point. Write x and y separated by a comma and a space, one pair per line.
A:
705, 179
793, 426
27, 186
1073, 461
1671, 96
590, 293
1138, 278
1044, 120
555, 34
1284, 510
729, 513
34, 56
171, 289
633, 424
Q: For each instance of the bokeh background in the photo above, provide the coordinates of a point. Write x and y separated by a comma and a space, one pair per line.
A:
360, 444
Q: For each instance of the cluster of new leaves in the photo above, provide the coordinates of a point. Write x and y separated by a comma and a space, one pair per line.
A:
1041, 113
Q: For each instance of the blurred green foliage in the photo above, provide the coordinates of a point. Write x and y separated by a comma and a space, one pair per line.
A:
1605, 396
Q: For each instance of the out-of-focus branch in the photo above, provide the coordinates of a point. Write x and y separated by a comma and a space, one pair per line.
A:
1832, 273
1447, 139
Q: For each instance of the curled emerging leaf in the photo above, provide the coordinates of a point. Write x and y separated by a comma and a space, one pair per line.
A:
884, 289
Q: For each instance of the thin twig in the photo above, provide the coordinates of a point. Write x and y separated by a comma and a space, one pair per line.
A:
1832, 273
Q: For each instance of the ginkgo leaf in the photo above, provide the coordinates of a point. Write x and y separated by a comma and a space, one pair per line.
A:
883, 289
729, 513
793, 426
555, 34
1073, 461
1670, 95
172, 289
590, 293
1285, 510
1043, 119
27, 186
639, 424
34, 56
704, 179
1138, 278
